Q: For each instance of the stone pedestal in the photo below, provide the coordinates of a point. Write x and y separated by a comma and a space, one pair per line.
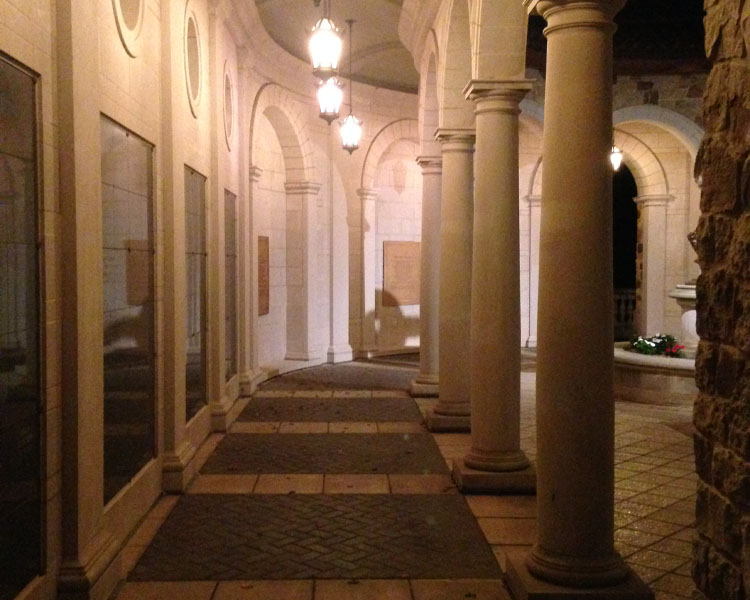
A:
495, 461
426, 383
685, 296
452, 411
575, 405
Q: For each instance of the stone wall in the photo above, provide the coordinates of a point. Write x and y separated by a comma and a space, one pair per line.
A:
722, 409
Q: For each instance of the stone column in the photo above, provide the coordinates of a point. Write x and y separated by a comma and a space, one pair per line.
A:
574, 549
535, 213
368, 341
495, 462
650, 308
250, 372
426, 383
456, 215
302, 255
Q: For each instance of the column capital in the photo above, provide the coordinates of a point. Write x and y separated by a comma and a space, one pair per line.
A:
456, 140
431, 165
255, 173
591, 13
298, 188
504, 93
650, 200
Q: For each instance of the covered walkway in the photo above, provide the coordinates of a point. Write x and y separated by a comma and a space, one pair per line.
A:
328, 486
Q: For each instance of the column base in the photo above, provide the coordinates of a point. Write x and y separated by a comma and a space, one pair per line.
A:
339, 354
454, 423
524, 586
424, 386
473, 481
178, 469
95, 580
250, 381
220, 420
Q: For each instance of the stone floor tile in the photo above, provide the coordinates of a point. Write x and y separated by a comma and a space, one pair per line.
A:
633, 485
254, 427
356, 484
452, 439
352, 394
636, 538
223, 484
673, 491
289, 427
650, 498
636, 509
623, 519
678, 517
688, 483
366, 589
686, 535
352, 427
503, 506
621, 494
161, 590
264, 590
673, 546
651, 525
430, 483
508, 531
401, 427
632, 466
624, 549
657, 560
679, 585
453, 589
648, 574
289, 484
390, 394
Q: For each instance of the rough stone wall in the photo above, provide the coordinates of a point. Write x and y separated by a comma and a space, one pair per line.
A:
682, 94
722, 409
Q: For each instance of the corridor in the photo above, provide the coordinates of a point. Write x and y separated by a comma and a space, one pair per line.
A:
328, 486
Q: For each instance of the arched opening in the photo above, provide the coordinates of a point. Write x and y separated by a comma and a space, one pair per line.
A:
624, 247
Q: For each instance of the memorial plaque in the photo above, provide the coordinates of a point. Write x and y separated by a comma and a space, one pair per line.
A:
264, 276
400, 273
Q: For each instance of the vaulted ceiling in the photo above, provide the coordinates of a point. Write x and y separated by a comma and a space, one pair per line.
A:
653, 36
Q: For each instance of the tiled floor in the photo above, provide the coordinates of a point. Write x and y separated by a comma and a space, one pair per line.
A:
338, 504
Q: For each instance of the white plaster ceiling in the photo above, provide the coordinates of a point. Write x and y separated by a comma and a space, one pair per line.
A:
379, 57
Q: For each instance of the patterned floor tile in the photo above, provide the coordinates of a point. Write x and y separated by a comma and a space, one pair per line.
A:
330, 453
227, 537
330, 409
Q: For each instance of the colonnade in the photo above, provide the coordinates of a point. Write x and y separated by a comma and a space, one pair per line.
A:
479, 308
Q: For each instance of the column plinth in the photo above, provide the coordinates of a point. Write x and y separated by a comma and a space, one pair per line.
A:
495, 462
456, 216
574, 549
426, 383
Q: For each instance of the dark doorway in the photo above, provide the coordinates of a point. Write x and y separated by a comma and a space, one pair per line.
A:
624, 243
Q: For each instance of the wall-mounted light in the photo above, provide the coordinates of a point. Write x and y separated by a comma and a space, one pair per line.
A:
351, 128
615, 158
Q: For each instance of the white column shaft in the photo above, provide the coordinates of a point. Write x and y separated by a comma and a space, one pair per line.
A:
496, 286
575, 406
455, 272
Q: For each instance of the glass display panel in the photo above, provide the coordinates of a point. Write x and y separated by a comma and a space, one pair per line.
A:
128, 295
195, 273
21, 522
230, 283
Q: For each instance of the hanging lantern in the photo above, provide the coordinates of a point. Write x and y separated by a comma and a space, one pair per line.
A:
325, 49
615, 158
351, 132
330, 96
351, 128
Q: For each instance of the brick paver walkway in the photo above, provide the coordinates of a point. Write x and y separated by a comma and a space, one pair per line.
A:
328, 488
